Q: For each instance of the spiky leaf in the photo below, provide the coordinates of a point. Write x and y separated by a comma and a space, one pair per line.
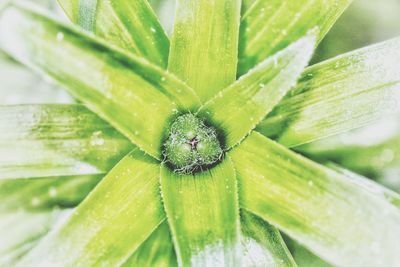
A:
111, 223
240, 107
56, 140
204, 44
340, 219
268, 26
121, 88
130, 25
338, 95
203, 213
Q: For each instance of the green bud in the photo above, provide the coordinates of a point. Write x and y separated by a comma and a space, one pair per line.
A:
191, 145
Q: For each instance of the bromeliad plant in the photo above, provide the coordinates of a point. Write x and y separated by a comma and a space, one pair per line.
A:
201, 183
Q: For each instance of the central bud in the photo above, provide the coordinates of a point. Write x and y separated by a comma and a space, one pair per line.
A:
191, 145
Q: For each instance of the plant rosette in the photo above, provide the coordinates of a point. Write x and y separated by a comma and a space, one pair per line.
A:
180, 153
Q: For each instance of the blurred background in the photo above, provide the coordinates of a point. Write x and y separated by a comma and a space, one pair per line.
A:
372, 151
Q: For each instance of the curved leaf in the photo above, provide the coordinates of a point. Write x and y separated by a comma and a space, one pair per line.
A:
340, 219
304, 257
204, 44
130, 25
121, 88
56, 140
240, 107
111, 223
338, 95
268, 26
156, 251
203, 213
262, 243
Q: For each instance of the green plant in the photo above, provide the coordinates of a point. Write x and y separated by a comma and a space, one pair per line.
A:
163, 201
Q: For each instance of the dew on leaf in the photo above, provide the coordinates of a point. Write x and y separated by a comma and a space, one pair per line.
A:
35, 201
96, 139
60, 36
52, 192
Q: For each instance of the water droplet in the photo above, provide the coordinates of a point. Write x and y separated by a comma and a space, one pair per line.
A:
96, 139
52, 191
275, 62
35, 201
153, 29
60, 36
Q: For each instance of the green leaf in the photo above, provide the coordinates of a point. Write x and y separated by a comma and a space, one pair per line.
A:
157, 250
203, 214
111, 223
56, 140
339, 219
255, 95
303, 257
86, 14
121, 88
268, 26
44, 194
377, 144
164, 10
338, 95
367, 184
204, 44
263, 244
20, 232
130, 25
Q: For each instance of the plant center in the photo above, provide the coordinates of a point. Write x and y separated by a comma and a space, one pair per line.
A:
191, 145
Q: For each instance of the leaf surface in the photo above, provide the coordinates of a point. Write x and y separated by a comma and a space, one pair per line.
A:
383, 192
204, 44
262, 243
111, 223
338, 95
378, 144
268, 26
339, 219
240, 107
304, 257
45, 194
127, 91
130, 25
203, 214
157, 250
39, 141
